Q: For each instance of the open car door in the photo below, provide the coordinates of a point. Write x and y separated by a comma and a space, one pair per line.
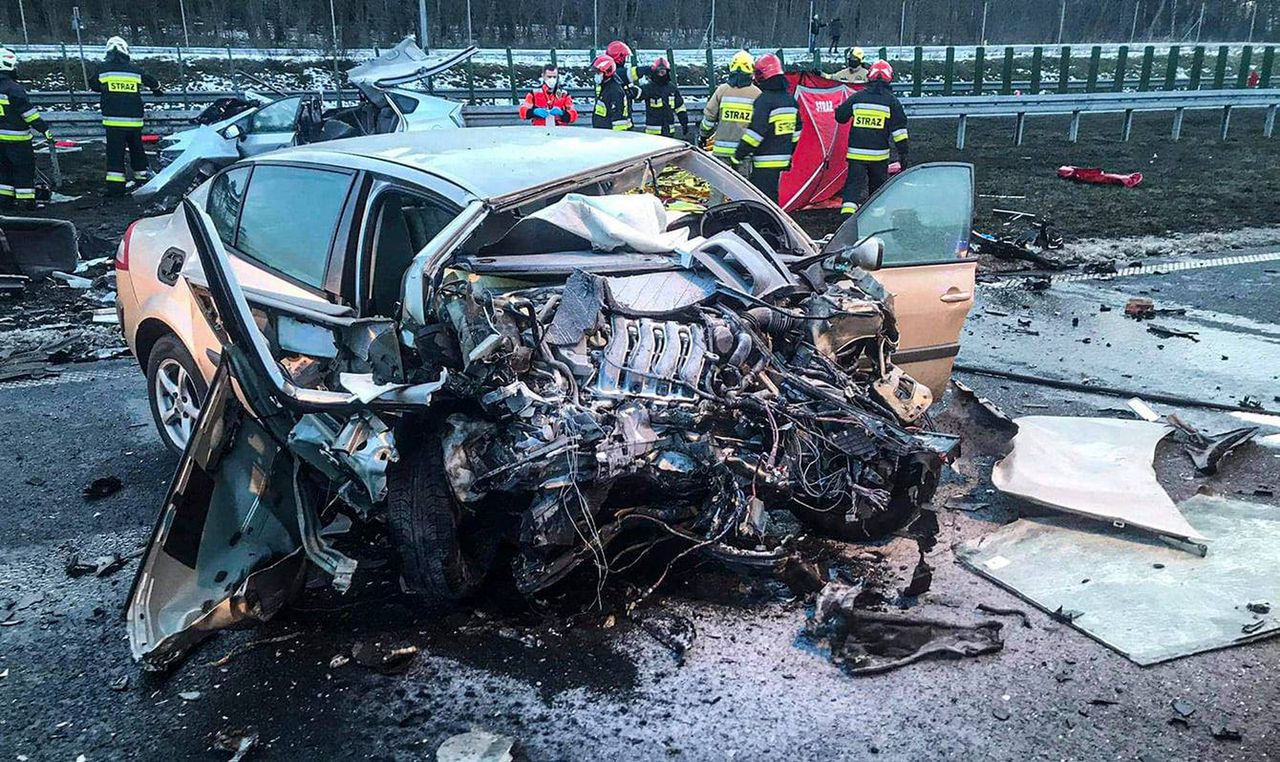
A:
244, 513
924, 216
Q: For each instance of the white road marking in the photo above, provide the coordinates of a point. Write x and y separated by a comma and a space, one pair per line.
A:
1151, 269
71, 377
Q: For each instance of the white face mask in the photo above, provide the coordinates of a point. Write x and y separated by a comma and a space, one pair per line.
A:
550, 82
599, 78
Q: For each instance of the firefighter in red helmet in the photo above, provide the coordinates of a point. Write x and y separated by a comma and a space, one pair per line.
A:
663, 103
612, 109
774, 130
879, 124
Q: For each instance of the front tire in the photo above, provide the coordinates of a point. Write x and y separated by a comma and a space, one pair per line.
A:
175, 391
445, 555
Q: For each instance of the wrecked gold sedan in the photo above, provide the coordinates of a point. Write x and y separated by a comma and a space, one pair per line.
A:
623, 340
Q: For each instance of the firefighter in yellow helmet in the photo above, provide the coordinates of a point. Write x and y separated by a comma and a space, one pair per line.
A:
854, 71
728, 111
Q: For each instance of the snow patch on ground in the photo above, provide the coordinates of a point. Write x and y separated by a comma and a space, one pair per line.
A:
1206, 244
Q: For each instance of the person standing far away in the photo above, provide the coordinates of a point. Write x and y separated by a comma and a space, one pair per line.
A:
663, 103
878, 123
17, 119
836, 30
728, 111
120, 84
549, 105
815, 26
854, 71
612, 109
775, 128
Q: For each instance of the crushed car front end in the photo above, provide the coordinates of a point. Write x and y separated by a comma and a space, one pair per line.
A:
568, 369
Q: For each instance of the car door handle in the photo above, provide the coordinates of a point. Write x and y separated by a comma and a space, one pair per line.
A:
953, 295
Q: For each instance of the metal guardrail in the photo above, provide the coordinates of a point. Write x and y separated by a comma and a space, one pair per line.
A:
962, 107
86, 99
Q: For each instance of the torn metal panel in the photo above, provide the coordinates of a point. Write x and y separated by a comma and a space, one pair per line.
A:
1098, 467
1146, 599
868, 642
1207, 450
403, 64
225, 548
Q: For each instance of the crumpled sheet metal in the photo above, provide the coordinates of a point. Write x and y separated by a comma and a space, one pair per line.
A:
1139, 595
1097, 467
869, 642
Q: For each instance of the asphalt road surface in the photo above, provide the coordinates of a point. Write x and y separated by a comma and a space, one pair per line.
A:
597, 685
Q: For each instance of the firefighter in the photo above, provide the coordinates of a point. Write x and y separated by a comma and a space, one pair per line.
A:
879, 123
854, 71
663, 104
728, 112
613, 108
549, 105
120, 84
17, 119
774, 130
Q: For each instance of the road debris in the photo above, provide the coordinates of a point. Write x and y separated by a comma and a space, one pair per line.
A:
1167, 332
244, 648
102, 487
864, 642
1135, 584
36, 247
476, 746
238, 741
675, 632
1001, 611
1207, 450
190, 695
102, 566
1225, 733
1096, 176
385, 659
1096, 467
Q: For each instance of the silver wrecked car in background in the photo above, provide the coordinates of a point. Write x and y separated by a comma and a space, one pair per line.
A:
386, 105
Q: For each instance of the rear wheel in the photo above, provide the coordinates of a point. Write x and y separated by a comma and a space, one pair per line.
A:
445, 552
175, 390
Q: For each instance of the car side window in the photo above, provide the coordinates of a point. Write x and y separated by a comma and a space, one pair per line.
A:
925, 215
226, 197
401, 225
276, 117
289, 218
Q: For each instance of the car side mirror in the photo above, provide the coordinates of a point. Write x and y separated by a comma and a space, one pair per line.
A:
868, 255
233, 132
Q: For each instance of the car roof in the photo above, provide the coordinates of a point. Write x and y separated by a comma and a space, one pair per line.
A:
491, 162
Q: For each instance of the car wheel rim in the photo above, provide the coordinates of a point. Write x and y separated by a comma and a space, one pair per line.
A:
177, 401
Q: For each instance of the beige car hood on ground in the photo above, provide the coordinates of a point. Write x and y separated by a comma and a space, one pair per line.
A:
1098, 467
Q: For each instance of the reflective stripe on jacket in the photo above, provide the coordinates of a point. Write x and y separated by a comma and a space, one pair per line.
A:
775, 127
544, 98
727, 115
612, 109
17, 116
877, 123
120, 85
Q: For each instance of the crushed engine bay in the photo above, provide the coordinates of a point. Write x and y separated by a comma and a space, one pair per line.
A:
548, 401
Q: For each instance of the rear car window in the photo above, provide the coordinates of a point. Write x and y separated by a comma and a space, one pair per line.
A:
226, 196
289, 219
